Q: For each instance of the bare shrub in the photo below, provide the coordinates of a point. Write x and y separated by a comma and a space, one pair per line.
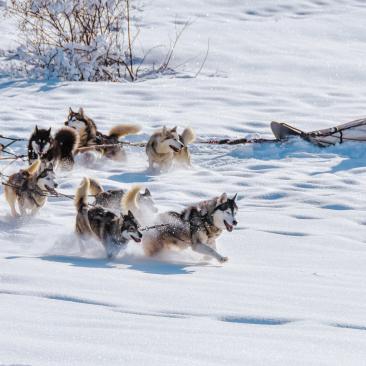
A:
87, 40
77, 39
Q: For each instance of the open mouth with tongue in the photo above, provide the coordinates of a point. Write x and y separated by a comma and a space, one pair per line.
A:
50, 190
137, 240
228, 226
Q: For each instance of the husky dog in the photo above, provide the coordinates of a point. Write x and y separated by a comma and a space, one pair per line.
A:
197, 227
113, 231
29, 188
167, 145
58, 149
139, 203
89, 135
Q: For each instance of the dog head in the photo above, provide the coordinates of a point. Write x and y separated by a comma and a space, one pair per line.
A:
225, 212
130, 228
46, 179
41, 140
76, 120
170, 141
145, 200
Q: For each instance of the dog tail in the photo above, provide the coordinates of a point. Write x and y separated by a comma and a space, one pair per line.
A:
81, 202
188, 136
123, 130
68, 140
81, 196
129, 199
33, 169
95, 187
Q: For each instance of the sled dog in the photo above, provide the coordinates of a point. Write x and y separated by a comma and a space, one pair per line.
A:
197, 227
166, 146
59, 149
89, 134
113, 231
29, 188
139, 203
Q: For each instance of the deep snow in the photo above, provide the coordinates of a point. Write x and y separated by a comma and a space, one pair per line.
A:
293, 291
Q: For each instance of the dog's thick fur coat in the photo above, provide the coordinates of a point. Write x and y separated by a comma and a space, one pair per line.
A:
28, 188
166, 146
59, 149
197, 227
89, 134
113, 231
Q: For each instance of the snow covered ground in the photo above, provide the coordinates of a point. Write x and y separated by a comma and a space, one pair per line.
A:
293, 291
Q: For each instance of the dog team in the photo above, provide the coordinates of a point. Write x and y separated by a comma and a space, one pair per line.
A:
116, 217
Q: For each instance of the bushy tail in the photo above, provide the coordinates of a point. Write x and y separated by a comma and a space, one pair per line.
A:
81, 196
188, 136
33, 169
129, 200
95, 188
68, 140
123, 130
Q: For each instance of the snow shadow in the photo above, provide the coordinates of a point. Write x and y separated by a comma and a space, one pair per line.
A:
255, 321
354, 153
153, 266
132, 177
130, 262
43, 86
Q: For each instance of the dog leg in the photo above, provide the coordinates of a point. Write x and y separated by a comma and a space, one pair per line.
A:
11, 198
14, 212
212, 244
23, 211
34, 211
207, 250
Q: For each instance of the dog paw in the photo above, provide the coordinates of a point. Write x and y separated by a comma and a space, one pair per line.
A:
223, 259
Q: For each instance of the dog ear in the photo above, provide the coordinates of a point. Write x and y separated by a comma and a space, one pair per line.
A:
36, 129
49, 131
130, 214
70, 110
222, 198
164, 130
234, 198
174, 129
147, 192
81, 111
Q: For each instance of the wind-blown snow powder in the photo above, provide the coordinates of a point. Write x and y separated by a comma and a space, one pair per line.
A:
292, 292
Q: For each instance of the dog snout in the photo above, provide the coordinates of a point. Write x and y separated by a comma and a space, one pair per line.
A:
235, 223
56, 185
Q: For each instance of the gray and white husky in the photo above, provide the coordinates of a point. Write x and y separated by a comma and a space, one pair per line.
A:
166, 146
136, 200
196, 227
28, 188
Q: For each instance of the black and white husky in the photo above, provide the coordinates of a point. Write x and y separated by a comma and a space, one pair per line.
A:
57, 150
196, 227
113, 231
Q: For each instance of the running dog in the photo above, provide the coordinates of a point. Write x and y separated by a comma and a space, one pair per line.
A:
197, 227
139, 203
113, 231
166, 146
89, 134
29, 188
56, 150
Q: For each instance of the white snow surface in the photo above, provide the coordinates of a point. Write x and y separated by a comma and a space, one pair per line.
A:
293, 291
